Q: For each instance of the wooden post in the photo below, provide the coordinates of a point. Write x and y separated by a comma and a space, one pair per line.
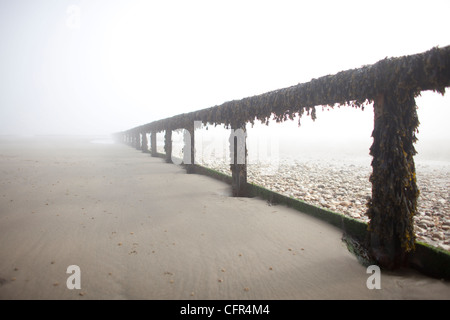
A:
189, 149
137, 140
144, 147
238, 156
394, 191
131, 139
168, 145
153, 143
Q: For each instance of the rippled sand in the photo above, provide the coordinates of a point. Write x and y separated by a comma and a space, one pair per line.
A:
140, 228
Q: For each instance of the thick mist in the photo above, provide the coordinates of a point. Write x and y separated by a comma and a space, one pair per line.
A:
99, 67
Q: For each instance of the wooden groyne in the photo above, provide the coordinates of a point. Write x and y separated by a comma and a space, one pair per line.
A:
391, 84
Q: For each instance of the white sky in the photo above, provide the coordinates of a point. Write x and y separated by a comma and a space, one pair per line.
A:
101, 66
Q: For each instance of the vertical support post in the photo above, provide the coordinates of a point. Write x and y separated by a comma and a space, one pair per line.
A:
394, 191
168, 145
144, 147
238, 157
189, 149
153, 143
133, 139
137, 141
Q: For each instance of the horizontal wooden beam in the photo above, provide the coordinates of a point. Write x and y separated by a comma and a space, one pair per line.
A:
429, 70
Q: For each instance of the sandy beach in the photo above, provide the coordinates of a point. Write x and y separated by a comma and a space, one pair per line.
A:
139, 228
335, 176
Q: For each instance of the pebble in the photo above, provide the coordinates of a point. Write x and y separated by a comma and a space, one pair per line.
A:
343, 186
438, 235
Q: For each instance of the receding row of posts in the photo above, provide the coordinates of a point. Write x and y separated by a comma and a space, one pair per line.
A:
390, 84
238, 152
392, 152
393, 178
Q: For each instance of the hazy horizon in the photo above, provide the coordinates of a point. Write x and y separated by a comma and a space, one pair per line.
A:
76, 67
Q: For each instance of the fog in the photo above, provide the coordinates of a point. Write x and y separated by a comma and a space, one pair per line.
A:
97, 67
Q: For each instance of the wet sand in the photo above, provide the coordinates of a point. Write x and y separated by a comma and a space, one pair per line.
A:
342, 185
140, 228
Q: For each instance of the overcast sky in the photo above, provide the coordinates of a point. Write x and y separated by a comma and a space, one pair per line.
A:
101, 66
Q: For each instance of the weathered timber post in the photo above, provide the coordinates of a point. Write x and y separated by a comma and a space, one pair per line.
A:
168, 145
131, 139
238, 157
137, 140
153, 143
394, 191
189, 149
144, 147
